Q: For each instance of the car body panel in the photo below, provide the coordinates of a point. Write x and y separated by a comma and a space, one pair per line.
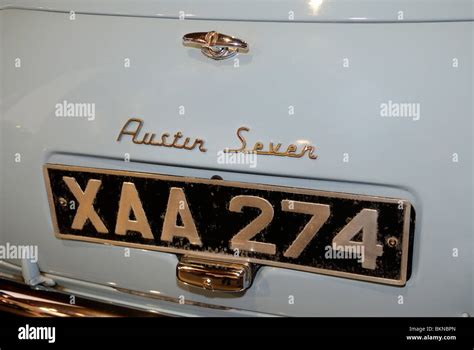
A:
337, 109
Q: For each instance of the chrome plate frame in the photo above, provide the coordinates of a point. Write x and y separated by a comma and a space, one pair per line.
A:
405, 207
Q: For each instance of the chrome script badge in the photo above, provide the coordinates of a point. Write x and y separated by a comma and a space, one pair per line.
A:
133, 128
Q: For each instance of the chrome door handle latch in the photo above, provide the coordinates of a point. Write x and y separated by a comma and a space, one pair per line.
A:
216, 276
216, 45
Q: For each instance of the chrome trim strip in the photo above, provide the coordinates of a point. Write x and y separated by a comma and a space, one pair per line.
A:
449, 14
20, 299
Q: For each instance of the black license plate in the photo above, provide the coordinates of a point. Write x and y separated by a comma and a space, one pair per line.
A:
347, 235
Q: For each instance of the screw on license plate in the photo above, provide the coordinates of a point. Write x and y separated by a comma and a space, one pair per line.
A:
62, 202
392, 242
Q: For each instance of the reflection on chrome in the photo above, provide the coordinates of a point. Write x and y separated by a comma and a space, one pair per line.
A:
20, 299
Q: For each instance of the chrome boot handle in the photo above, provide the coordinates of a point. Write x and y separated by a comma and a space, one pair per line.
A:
215, 45
218, 276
